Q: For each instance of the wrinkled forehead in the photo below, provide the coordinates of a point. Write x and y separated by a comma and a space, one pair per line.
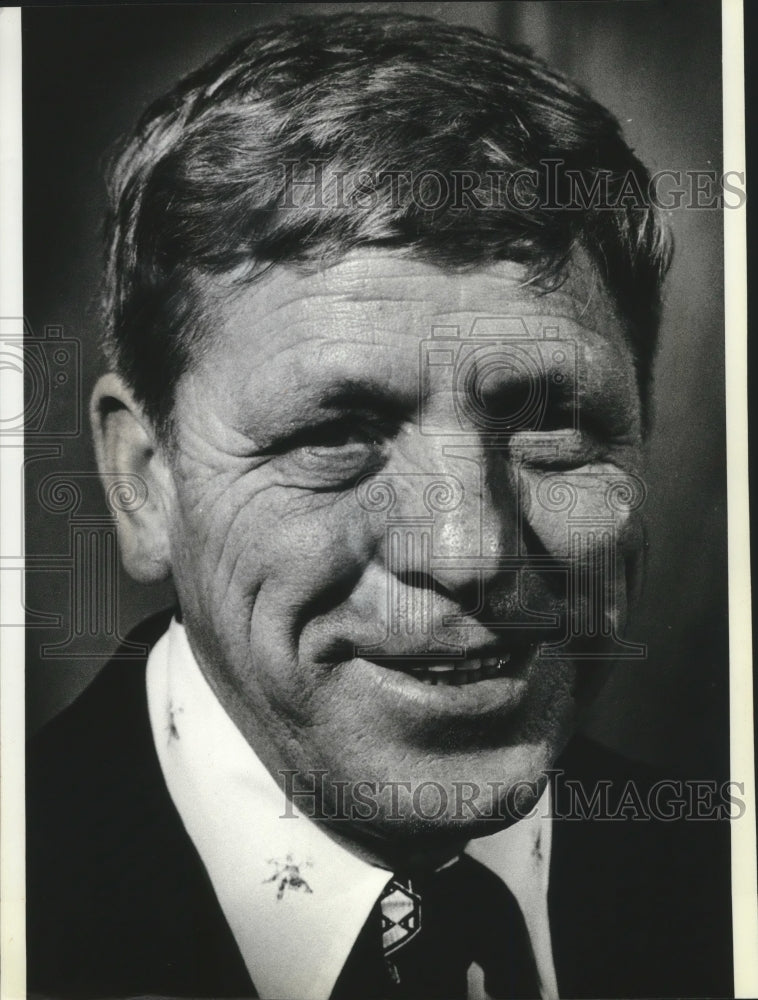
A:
354, 297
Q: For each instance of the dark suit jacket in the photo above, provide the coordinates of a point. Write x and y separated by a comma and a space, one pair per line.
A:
119, 903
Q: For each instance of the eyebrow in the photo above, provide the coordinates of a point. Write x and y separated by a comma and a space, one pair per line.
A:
323, 394
300, 406
358, 394
354, 394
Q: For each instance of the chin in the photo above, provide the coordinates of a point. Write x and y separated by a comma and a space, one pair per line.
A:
440, 806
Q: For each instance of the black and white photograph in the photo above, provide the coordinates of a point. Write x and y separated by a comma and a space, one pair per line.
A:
375, 502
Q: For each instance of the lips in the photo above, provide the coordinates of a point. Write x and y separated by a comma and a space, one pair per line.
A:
427, 669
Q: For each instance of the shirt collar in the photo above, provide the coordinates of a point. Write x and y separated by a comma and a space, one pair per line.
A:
295, 899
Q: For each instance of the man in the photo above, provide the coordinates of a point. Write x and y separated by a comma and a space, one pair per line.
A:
382, 300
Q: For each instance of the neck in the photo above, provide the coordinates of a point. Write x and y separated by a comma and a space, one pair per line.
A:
407, 855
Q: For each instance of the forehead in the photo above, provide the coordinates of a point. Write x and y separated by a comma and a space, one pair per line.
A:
368, 315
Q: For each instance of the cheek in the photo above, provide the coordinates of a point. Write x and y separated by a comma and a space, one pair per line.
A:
235, 537
274, 562
309, 543
573, 512
589, 517
270, 564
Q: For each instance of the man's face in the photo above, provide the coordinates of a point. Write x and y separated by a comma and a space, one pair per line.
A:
328, 586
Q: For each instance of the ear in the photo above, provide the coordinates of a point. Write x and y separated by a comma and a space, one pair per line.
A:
125, 445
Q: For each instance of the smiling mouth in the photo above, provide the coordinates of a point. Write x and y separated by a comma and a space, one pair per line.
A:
454, 673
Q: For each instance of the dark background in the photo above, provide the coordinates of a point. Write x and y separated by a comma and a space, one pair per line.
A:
88, 73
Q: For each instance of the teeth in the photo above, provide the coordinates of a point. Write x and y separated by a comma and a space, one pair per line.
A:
458, 672
468, 672
441, 673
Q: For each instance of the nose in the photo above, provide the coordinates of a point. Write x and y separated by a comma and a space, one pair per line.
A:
454, 517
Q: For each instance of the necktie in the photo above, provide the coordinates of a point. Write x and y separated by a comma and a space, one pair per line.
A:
427, 930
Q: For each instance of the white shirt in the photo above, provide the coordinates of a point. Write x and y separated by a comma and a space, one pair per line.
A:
258, 851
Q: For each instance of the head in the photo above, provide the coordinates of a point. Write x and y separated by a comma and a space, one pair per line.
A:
384, 369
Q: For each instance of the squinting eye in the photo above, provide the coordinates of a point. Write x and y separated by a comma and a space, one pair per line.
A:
555, 446
335, 454
333, 437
